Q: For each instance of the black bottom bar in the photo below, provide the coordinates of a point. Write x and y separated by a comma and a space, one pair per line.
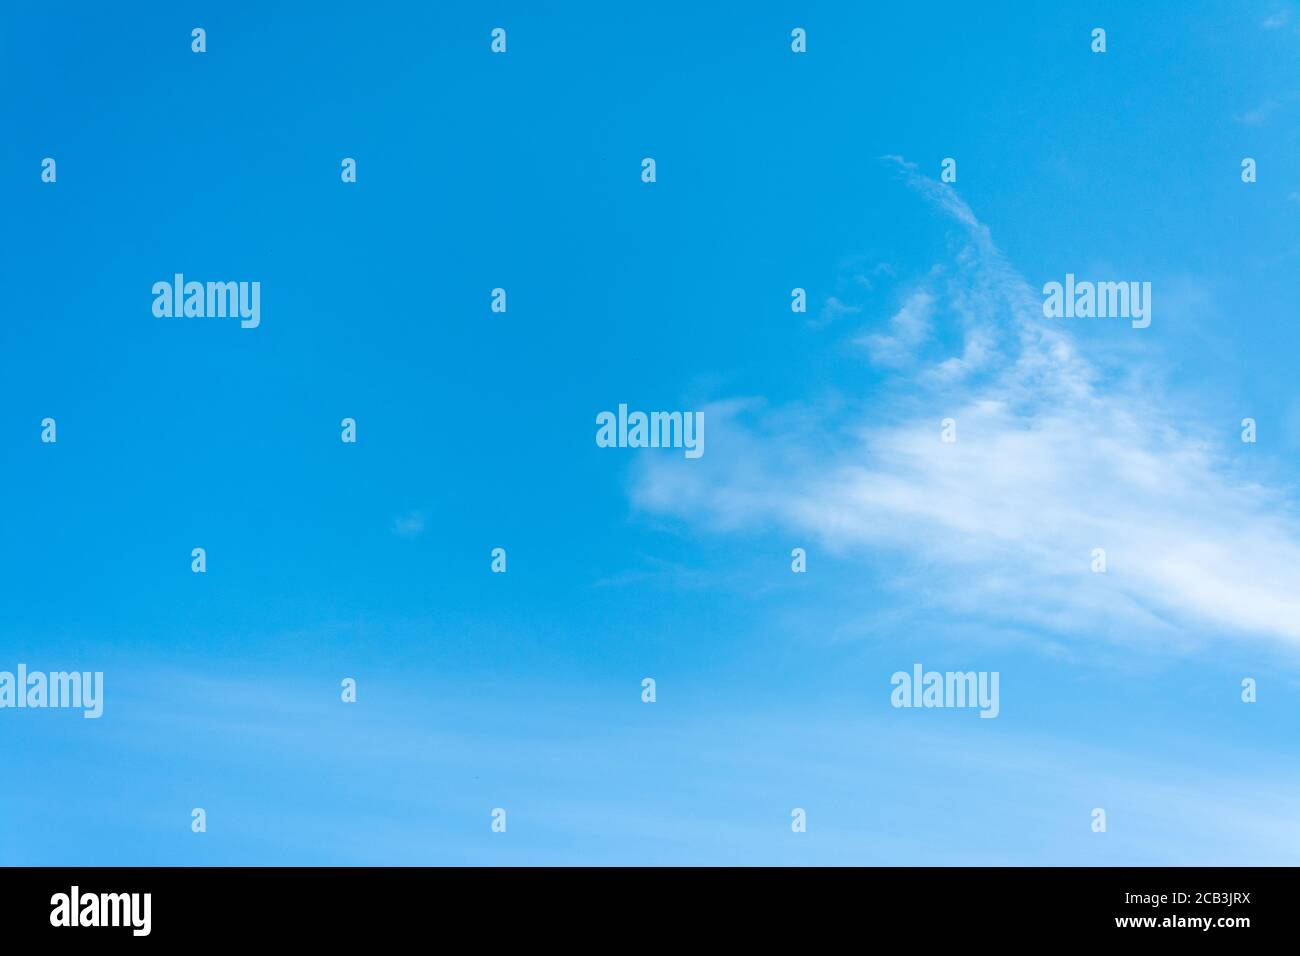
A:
335, 905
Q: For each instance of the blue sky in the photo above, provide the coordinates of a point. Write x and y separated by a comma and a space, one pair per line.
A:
476, 430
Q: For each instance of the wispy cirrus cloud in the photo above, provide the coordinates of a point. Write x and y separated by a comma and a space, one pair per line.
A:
1054, 457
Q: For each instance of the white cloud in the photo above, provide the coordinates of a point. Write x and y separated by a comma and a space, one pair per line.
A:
835, 309
1269, 107
1260, 114
908, 329
409, 526
1054, 457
